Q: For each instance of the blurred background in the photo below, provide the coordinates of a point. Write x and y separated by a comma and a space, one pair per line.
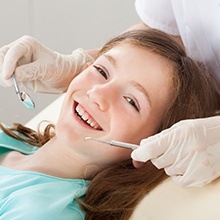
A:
63, 26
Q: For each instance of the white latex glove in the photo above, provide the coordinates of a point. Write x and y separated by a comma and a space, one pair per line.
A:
189, 151
37, 67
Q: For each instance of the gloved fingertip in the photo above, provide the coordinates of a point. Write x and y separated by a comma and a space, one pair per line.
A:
139, 156
181, 181
147, 141
177, 180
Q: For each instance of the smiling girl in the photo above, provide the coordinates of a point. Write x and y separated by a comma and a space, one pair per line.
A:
141, 83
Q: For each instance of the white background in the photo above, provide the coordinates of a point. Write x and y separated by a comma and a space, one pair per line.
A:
62, 25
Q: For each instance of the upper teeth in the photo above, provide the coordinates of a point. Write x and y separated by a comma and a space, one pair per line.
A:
86, 117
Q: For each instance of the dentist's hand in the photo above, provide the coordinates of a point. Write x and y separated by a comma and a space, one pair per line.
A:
37, 67
189, 151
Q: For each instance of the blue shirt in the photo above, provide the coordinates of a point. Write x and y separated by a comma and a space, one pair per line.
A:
36, 196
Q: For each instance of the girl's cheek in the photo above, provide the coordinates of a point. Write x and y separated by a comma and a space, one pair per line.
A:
79, 80
87, 77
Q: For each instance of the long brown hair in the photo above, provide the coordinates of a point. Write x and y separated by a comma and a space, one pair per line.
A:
115, 191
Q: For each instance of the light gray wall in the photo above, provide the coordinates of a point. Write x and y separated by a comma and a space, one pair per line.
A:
62, 25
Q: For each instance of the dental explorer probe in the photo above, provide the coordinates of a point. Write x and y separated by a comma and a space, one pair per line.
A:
114, 143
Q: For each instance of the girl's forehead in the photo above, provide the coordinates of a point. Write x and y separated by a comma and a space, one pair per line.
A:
135, 54
138, 62
121, 45
132, 50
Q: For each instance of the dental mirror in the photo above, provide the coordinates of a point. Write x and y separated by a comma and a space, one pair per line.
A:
23, 96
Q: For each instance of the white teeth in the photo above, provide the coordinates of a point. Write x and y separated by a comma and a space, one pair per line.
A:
89, 121
92, 124
86, 117
79, 110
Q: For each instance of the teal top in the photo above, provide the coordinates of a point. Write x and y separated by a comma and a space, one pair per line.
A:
36, 196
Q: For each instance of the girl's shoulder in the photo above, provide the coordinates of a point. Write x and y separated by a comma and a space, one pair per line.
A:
8, 143
32, 195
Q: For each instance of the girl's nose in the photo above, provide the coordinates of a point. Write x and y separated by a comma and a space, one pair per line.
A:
102, 95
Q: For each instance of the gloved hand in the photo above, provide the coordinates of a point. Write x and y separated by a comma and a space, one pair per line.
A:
39, 68
189, 151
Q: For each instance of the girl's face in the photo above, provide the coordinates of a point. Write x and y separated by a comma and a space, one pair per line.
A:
121, 96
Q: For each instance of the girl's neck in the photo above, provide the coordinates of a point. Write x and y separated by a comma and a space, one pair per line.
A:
56, 160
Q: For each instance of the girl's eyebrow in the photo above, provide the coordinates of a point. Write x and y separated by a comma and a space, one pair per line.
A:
137, 85
111, 59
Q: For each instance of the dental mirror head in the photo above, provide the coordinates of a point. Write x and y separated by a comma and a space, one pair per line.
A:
23, 96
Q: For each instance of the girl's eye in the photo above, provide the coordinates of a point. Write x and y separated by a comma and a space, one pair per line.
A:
132, 102
103, 73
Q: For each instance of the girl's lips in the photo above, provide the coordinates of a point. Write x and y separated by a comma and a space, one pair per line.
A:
84, 118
